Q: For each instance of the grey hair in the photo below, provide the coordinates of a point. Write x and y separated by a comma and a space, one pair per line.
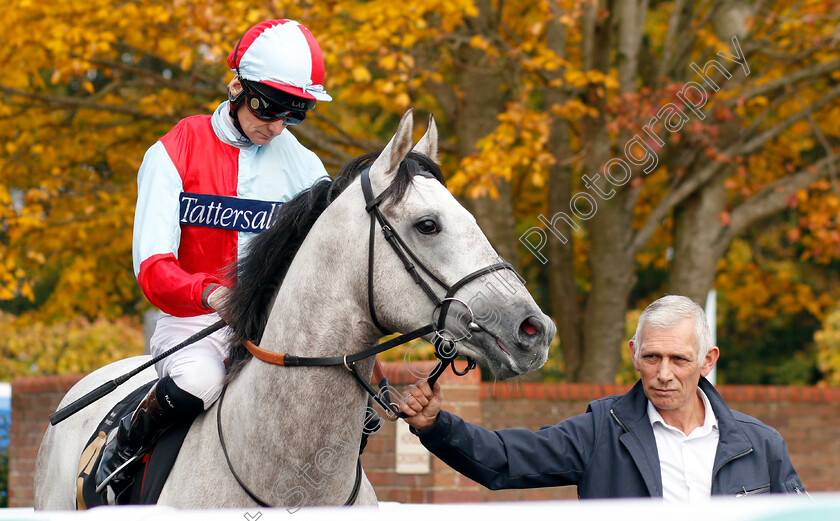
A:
668, 312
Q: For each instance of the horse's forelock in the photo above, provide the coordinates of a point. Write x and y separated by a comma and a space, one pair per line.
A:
414, 164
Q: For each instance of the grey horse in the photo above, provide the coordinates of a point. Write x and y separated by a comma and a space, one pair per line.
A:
292, 433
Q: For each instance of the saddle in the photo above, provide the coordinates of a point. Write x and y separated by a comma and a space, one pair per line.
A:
147, 476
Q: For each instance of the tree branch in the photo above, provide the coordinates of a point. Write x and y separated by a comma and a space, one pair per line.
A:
773, 198
672, 199
684, 190
670, 41
813, 71
70, 102
156, 77
762, 47
754, 144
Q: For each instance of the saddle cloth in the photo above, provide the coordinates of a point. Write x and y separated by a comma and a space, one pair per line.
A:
148, 475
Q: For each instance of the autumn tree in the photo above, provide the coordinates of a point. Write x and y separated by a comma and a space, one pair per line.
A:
534, 99
709, 165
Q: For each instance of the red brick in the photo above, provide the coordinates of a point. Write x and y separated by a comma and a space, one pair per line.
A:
403, 480
456, 496
444, 479
377, 477
461, 393
501, 495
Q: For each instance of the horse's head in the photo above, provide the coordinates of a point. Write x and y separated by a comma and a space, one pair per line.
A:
491, 314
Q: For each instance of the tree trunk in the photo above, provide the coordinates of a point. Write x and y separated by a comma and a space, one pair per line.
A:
611, 263
480, 82
611, 258
697, 228
565, 308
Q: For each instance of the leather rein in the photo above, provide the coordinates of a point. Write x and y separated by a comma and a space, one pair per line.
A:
444, 346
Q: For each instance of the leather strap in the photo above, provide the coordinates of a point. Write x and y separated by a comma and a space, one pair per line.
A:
288, 360
266, 356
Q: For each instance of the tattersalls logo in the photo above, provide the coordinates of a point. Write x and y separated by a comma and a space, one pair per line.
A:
231, 213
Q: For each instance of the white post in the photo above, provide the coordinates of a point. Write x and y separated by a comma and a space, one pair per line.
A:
711, 318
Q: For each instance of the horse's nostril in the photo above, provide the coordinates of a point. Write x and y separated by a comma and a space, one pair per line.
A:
529, 327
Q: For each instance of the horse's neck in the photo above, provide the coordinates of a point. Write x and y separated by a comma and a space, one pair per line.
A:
290, 415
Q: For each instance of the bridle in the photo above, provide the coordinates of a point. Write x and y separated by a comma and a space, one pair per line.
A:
444, 346
410, 263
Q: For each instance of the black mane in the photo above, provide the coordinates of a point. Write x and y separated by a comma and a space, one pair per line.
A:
261, 270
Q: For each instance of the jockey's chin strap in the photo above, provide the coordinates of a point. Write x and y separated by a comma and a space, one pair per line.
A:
444, 345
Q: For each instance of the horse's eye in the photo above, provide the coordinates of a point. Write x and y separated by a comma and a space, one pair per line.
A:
427, 227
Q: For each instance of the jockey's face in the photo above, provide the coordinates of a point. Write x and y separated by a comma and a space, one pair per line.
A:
260, 132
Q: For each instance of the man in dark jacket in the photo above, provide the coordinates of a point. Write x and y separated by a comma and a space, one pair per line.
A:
670, 436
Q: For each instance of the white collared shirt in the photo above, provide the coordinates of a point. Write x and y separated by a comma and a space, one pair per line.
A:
686, 462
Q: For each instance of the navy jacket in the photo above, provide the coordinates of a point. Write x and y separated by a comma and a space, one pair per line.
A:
610, 451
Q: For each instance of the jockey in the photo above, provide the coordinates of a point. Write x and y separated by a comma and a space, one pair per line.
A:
204, 190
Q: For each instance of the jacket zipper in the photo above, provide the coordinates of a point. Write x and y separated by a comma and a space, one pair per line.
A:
733, 458
748, 451
612, 413
751, 492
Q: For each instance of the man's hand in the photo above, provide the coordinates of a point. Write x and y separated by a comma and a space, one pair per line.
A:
217, 299
421, 404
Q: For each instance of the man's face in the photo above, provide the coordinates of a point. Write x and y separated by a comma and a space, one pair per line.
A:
258, 131
669, 366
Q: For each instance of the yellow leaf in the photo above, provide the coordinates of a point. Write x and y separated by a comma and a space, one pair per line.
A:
361, 74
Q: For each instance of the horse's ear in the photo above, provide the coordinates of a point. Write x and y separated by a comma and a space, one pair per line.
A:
428, 144
385, 167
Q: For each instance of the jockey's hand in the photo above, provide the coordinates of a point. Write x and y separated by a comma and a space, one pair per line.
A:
421, 404
217, 299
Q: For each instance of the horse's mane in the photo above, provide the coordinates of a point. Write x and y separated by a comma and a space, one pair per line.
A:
261, 270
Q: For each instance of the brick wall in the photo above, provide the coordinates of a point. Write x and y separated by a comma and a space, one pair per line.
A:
807, 417
33, 400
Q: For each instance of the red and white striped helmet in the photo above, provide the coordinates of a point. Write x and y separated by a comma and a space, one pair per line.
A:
284, 55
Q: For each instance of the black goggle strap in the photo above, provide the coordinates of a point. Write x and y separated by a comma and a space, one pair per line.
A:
266, 110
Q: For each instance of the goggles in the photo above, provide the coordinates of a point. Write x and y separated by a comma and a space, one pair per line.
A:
270, 104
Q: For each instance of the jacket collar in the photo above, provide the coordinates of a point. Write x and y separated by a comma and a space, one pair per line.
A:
225, 129
631, 413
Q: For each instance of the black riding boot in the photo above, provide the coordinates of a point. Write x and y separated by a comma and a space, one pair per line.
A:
135, 435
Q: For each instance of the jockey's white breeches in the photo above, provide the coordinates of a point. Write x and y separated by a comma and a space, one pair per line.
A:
198, 368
